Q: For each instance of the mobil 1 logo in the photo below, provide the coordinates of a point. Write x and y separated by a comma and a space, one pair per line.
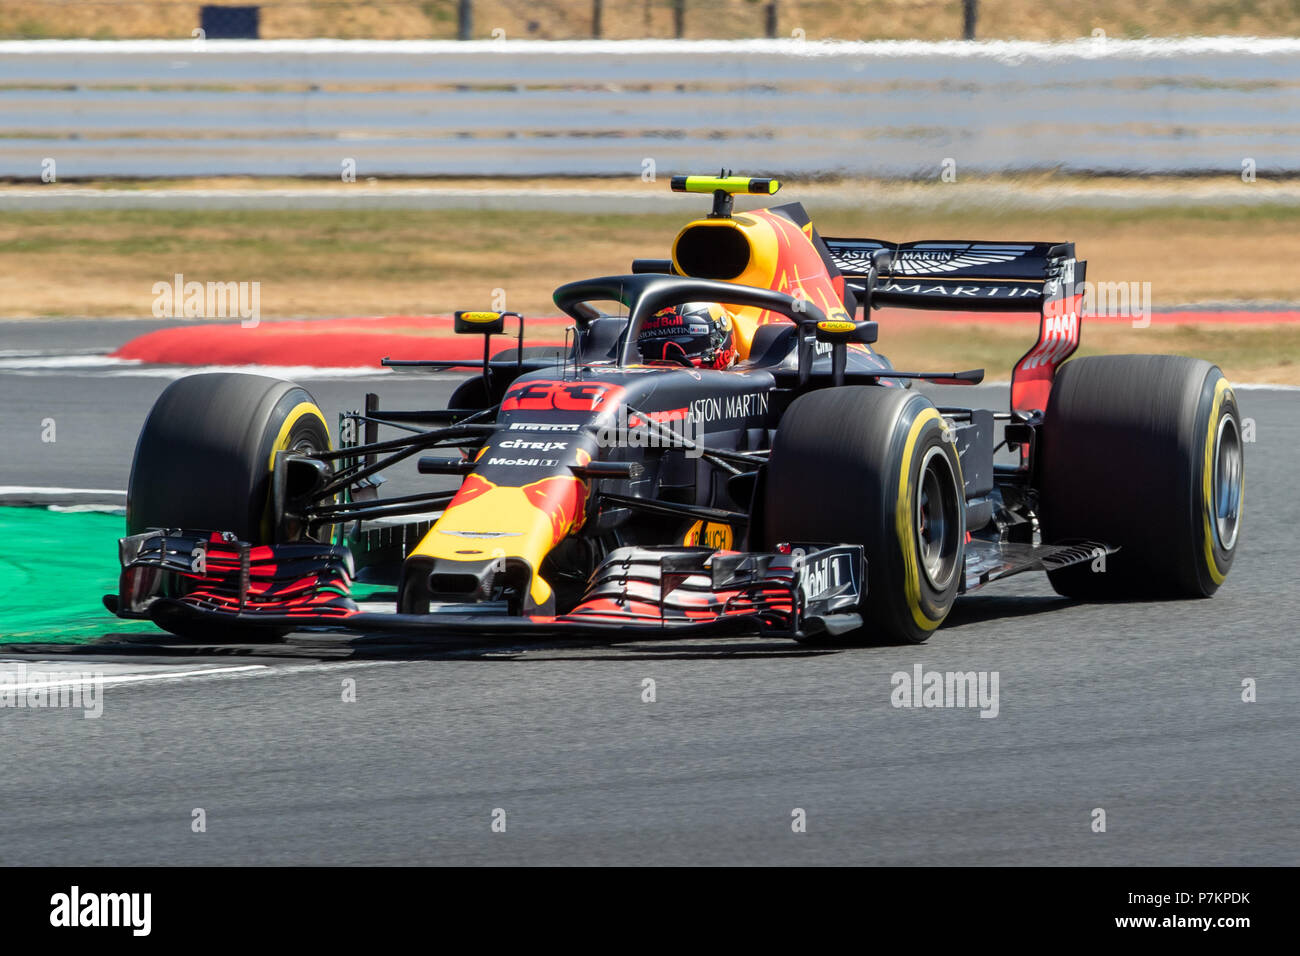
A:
825, 573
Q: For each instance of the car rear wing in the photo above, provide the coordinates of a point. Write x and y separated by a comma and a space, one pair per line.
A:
957, 275
964, 276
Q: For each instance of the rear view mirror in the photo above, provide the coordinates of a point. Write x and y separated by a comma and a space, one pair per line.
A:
480, 323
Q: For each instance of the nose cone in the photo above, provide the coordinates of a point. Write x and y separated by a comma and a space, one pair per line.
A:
487, 522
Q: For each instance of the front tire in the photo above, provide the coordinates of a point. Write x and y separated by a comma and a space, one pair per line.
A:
1144, 453
872, 466
203, 463
204, 457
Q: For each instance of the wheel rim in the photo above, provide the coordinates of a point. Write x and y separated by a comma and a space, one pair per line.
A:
1227, 482
304, 445
938, 522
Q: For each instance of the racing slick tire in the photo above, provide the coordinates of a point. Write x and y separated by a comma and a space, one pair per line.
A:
203, 460
204, 456
1143, 453
473, 393
554, 352
874, 466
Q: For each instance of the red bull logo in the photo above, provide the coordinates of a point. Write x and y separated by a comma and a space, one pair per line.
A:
471, 488
562, 500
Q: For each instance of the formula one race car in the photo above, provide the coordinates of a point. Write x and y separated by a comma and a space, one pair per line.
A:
724, 452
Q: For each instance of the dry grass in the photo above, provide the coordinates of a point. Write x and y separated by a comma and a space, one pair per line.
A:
567, 19
320, 263
375, 262
309, 263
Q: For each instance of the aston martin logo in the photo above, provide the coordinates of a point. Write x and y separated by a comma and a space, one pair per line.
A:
854, 263
920, 262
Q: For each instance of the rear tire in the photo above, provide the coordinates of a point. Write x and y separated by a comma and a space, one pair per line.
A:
871, 466
1144, 453
532, 352
473, 393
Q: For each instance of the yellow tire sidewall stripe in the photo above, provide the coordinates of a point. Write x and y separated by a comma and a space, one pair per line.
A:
281, 443
904, 526
282, 437
1221, 388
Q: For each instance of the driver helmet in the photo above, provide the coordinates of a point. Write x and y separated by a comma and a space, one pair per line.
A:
693, 333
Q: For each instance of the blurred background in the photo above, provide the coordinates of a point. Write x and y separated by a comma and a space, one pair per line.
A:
354, 170
386, 157
640, 19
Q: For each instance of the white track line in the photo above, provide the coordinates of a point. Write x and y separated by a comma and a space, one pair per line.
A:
242, 670
11, 490
127, 678
974, 194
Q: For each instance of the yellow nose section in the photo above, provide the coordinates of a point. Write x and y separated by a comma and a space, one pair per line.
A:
487, 521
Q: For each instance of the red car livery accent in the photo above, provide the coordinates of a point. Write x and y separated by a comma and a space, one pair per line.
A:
471, 488
1058, 337
562, 500
533, 396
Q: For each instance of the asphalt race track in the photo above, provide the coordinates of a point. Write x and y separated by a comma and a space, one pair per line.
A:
1133, 708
